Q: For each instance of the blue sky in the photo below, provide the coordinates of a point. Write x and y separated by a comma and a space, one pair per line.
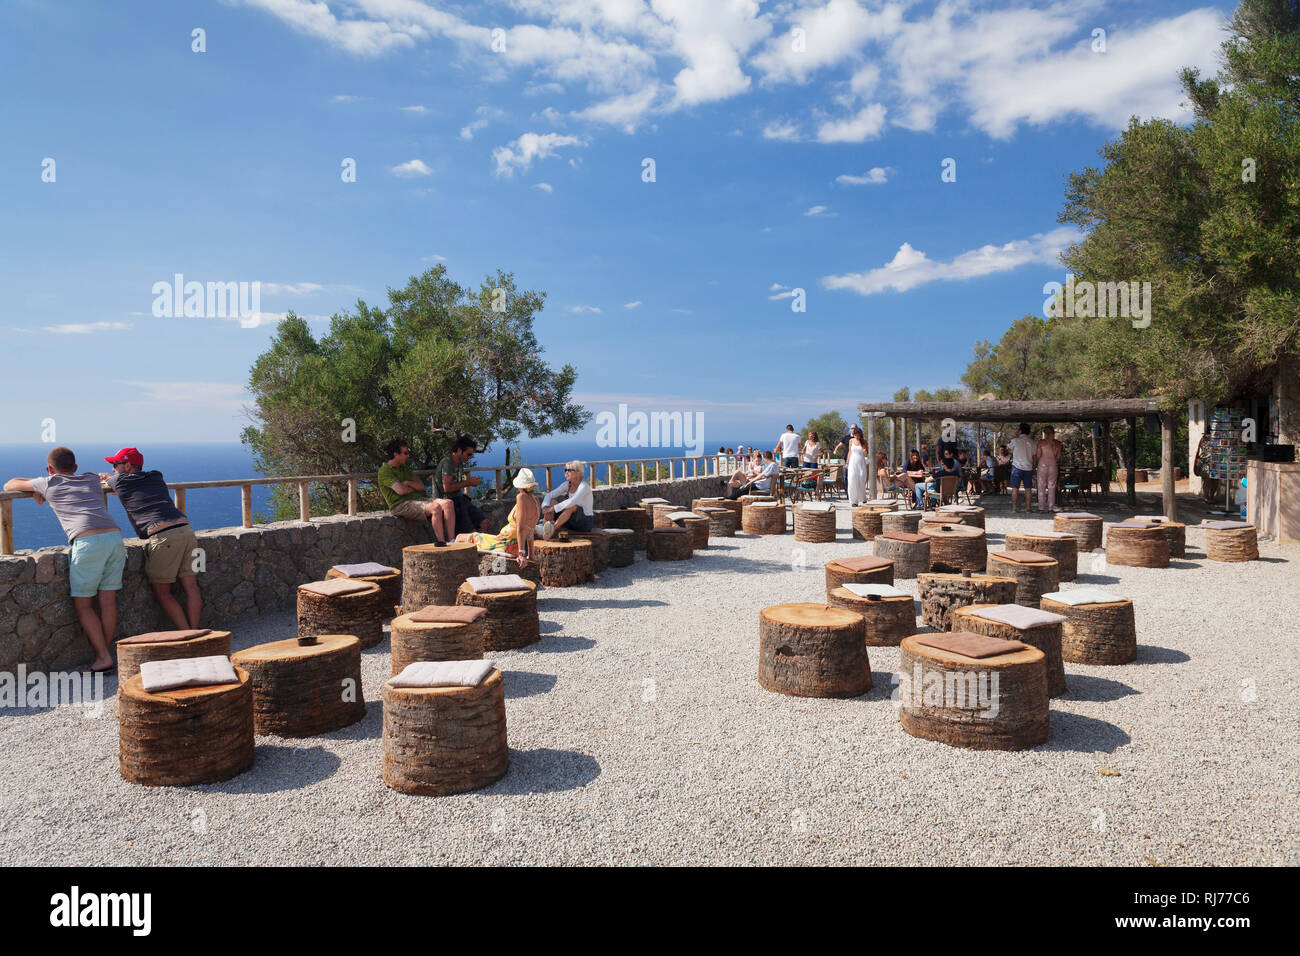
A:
782, 161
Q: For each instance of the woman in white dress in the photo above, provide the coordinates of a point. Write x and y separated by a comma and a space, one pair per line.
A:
857, 471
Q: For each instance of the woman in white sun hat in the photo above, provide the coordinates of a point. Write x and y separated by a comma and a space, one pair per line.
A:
516, 538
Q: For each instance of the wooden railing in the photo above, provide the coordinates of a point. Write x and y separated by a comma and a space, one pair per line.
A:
304, 482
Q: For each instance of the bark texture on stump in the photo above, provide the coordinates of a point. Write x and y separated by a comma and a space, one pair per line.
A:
973, 519
888, 619
907, 521
1136, 547
1045, 637
698, 526
390, 584
131, 656
490, 564
563, 563
910, 557
360, 614
661, 513
814, 527
812, 650
941, 594
622, 547
1033, 579
1175, 533
302, 691
956, 547
599, 547
735, 507
837, 576
511, 621
668, 544
867, 523
1064, 551
764, 517
431, 575
444, 740
452, 641
1096, 633
1087, 531
1231, 544
722, 521
636, 520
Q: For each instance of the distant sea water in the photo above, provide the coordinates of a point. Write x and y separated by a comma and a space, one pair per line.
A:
36, 527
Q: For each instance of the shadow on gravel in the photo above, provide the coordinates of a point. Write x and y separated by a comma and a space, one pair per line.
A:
526, 683
1074, 732
549, 627
561, 645
545, 770
280, 767
1149, 654
1176, 563
588, 604
1096, 689
1274, 560
1096, 579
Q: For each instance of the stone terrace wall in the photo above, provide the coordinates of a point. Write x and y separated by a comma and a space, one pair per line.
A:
249, 572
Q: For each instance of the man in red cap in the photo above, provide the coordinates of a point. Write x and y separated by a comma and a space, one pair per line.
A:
169, 540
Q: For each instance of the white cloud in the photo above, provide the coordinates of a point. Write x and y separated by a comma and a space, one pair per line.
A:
833, 33
415, 109
521, 153
486, 114
817, 211
344, 98
780, 291
411, 169
684, 311
433, 258
542, 89
872, 177
867, 123
911, 267
625, 112
290, 288
584, 309
632, 305
225, 395
544, 187
783, 130
86, 328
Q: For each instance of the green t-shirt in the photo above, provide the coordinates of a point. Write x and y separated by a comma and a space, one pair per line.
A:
388, 476
453, 471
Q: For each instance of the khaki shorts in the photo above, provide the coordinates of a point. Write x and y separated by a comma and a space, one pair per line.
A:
169, 554
411, 508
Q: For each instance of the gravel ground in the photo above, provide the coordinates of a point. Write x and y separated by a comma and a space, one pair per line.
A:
639, 734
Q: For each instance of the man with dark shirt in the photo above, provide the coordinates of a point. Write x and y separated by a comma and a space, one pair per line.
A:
169, 540
450, 481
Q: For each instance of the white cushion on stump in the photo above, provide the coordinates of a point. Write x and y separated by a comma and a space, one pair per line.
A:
816, 506
1019, 616
443, 674
492, 583
1076, 596
187, 672
884, 590
362, 570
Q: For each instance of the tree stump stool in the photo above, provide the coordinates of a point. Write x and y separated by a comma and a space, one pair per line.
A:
906, 522
185, 736
622, 546
1175, 531
599, 546
360, 613
390, 584
746, 501
971, 515
1085, 527
168, 646
661, 513
648, 505
722, 521
956, 547
700, 505
669, 544
497, 562
636, 520
764, 517
909, 552
888, 617
868, 569
1101, 633
867, 521
812, 650
697, 525
1043, 633
431, 575
1136, 544
814, 525
443, 740
301, 690
941, 594
414, 641
997, 702
563, 563
1061, 546
511, 621
1035, 574
1229, 541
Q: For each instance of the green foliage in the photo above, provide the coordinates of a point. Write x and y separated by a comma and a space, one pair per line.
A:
830, 428
438, 356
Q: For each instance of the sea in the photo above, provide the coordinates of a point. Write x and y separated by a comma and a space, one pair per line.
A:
36, 527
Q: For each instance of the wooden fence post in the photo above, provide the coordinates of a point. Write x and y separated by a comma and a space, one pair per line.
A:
6, 526
246, 504
354, 499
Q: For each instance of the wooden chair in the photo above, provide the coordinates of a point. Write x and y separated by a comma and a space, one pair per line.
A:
947, 491
828, 481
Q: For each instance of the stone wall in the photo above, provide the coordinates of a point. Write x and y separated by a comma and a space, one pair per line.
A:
247, 572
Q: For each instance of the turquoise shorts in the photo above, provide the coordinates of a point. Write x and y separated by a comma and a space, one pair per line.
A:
95, 564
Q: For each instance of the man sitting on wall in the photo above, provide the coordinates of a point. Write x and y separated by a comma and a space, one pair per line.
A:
96, 556
576, 512
450, 482
169, 540
404, 493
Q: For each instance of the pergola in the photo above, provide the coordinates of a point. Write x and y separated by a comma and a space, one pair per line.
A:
1101, 410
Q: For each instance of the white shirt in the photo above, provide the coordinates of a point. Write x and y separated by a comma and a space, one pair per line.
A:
1022, 452
789, 445
770, 469
580, 497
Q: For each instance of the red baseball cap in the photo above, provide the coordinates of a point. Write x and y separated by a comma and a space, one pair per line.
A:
127, 454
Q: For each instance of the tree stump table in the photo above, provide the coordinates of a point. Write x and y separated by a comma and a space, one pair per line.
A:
390, 583
1175, 532
1136, 544
909, 552
1014, 622
1230, 541
906, 522
812, 650
868, 569
669, 544
493, 563
636, 520
360, 612
956, 547
301, 690
458, 640
889, 617
168, 646
564, 564
1035, 574
814, 524
1085, 527
443, 740
431, 575
1101, 632
599, 546
993, 702
511, 621
941, 594
622, 547
697, 525
867, 521
735, 507
764, 517
971, 515
185, 736
661, 513
746, 501
722, 521
1061, 546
